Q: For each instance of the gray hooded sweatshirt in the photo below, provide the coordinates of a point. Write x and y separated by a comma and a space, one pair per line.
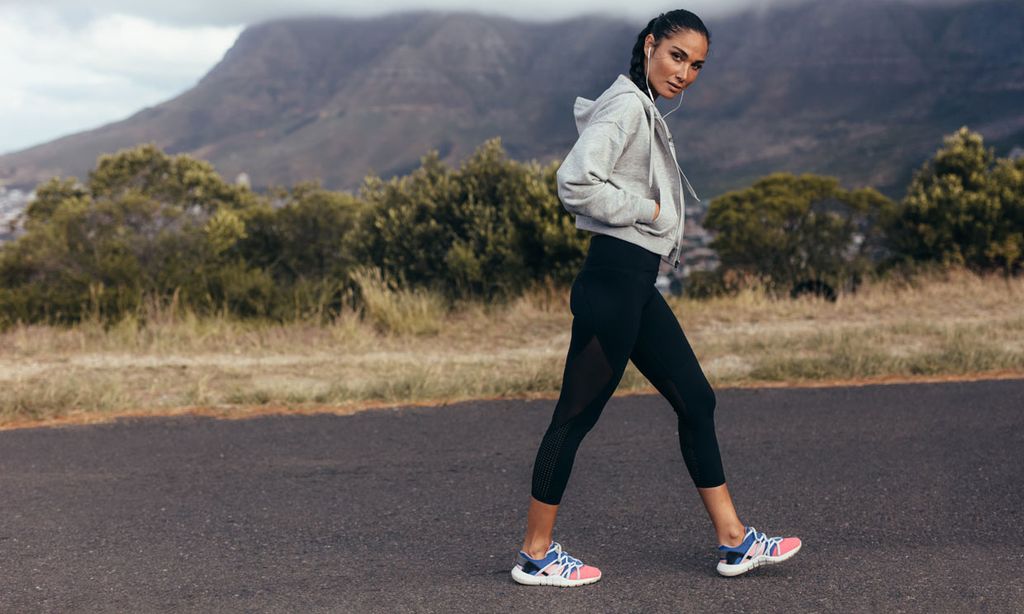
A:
623, 161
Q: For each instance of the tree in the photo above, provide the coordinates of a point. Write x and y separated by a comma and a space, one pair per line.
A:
963, 207
180, 181
797, 232
144, 224
489, 229
406, 232
310, 235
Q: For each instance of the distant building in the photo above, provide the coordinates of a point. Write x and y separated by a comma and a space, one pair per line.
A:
697, 256
12, 203
701, 259
1016, 153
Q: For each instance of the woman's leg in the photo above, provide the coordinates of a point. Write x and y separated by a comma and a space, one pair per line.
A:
728, 528
606, 305
540, 524
664, 356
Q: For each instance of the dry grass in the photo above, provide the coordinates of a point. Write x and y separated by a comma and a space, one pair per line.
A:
406, 349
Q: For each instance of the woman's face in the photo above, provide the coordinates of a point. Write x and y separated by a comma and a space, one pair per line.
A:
675, 61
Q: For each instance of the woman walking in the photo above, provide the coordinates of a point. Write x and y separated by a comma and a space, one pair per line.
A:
622, 182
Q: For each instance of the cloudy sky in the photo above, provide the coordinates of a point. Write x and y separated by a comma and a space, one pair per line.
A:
70, 65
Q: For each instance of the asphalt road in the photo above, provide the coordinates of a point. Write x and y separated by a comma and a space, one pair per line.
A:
908, 499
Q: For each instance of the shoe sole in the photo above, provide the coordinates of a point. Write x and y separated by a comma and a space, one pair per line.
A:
761, 561
522, 577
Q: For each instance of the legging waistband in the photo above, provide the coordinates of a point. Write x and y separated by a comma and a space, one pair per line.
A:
607, 251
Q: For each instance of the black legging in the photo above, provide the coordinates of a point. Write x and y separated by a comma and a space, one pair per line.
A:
618, 314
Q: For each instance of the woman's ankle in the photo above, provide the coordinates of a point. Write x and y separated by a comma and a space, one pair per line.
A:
536, 550
732, 536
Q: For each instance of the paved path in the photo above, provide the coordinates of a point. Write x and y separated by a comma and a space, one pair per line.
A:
908, 498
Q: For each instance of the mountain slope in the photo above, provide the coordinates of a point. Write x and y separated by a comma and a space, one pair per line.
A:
861, 91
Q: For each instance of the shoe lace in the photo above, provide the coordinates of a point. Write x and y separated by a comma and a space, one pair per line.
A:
769, 542
569, 563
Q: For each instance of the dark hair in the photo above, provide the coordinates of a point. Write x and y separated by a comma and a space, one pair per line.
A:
662, 26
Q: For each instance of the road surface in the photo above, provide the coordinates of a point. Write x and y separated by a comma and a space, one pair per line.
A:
908, 498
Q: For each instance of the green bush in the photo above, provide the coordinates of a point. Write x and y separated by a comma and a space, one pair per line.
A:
793, 232
147, 227
963, 207
490, 229
143, 225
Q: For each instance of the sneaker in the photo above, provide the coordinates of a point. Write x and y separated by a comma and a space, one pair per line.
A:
557, 568
756, 549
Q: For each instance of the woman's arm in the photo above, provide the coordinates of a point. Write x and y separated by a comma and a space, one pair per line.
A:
582, 178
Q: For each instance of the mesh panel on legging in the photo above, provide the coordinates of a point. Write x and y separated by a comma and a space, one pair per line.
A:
588, 382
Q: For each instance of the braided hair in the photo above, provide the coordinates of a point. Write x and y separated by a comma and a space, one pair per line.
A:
661, 26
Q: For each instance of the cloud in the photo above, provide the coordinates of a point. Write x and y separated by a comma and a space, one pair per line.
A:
229, 13
62, 77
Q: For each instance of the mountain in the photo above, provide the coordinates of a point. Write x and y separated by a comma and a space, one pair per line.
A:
863, 91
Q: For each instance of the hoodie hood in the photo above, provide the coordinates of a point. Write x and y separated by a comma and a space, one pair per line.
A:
585, 111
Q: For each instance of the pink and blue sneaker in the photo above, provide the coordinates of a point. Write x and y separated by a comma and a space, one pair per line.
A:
756, 549
557, 568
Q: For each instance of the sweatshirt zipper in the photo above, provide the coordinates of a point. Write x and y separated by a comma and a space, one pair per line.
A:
682, 206
679, 178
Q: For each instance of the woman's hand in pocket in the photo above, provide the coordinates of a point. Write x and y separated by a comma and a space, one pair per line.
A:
659, 224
